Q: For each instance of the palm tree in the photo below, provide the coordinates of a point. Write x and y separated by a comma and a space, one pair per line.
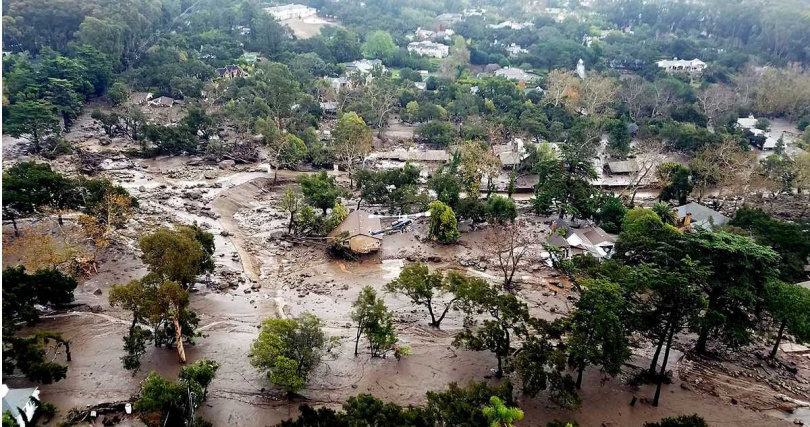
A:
665, 212
500, 415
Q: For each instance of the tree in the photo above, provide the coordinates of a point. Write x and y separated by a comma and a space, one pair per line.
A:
494, 333
436, 132
352, 140
109, 122
162, 402
320, 190
102, 218
789, 239
676, 181
443, 225
398, 189
288, 350
789, 305
739, 269
447, 187
30, 187
162, 305
422, 287
680, 421
477, 162
559, 84
715, 100
665, 212
721, 167
611, 212
274, 84
134, 120
510, 243
379, 45
648, 154
178, 255
565, 183
500, 414
22, 293
201, 372
291, 203
292, 152
458, 61
118, 94
160, 399
33, 118
455, 406
619, 139
374, 321
64, 98
501, 209
599, 334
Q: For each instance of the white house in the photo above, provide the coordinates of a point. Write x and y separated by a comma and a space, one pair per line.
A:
514, 74
511, 24
291, 11
588, 240
749, 123
20, 399
675, 65
363, 66
515, 49
426, 48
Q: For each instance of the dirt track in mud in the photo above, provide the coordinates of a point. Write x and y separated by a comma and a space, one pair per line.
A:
301, 279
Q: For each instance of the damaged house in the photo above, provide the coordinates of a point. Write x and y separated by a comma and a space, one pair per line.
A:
359, 232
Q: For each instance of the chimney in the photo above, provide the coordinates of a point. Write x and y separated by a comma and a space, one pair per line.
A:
687, 219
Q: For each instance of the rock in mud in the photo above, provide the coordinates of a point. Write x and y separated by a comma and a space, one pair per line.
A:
227, 164
97, 292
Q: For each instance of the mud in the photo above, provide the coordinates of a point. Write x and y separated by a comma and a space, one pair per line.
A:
259, 277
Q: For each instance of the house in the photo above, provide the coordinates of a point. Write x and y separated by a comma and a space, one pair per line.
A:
510, 24
586, 240
764, 139
770, 142
515, 74
474, 12
515, 50
363, 66
694, 66
329, 108
339, 83
510, 154
163, 101
438, 156
21, 402
251, 57
696, 214
427, 48
231, 71
140, 98
291, 11
421, 34
626, 167
360, 231
749, 122
450, 18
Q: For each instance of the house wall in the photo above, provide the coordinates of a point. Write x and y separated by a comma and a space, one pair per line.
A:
364, 244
